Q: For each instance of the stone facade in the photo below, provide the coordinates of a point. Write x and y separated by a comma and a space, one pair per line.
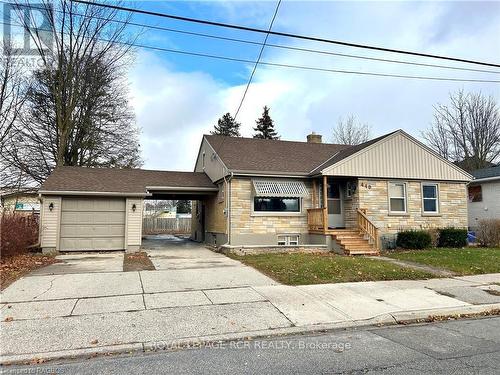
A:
373, 196
248, 226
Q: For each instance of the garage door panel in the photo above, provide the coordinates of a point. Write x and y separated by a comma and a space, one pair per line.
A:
92, 243
89, 218
92, 205
92, 230
92, 224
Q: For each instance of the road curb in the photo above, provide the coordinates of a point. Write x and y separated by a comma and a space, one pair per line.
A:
406, 317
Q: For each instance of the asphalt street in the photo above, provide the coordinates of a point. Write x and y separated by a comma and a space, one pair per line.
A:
451, 347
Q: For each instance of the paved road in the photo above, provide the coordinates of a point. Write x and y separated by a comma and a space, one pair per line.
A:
455, 347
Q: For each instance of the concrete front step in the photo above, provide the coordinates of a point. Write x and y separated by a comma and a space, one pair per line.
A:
361, 252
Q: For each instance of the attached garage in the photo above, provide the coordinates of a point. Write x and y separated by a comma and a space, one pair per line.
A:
92, 224
96, 209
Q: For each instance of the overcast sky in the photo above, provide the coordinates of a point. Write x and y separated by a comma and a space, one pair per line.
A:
179, 98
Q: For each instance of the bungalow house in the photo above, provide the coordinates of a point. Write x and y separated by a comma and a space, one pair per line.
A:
261, 194
484, 195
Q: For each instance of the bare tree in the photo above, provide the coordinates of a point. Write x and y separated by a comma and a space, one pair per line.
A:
77, 110
351, 132
467, 130
12, 90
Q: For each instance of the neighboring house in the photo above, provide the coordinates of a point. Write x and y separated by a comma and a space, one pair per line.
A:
23, 200
266, 193
484, 195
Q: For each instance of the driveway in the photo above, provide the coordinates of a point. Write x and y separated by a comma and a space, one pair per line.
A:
87, 303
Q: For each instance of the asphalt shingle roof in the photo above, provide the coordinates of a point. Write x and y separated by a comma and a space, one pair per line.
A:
486, 172
120, 180
267, 155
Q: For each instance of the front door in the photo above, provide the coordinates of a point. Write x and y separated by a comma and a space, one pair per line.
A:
335, 205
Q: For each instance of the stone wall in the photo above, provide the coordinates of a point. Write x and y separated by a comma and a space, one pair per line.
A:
247, 226
373, 195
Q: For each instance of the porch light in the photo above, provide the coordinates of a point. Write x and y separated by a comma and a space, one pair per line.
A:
134, 207
51, 206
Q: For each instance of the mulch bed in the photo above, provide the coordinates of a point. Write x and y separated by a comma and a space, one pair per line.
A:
14, 267
137, 262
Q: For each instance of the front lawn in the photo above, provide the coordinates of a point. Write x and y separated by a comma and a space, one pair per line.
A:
303, 269
468, 261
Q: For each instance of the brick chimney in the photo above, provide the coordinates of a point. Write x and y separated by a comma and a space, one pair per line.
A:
314, 138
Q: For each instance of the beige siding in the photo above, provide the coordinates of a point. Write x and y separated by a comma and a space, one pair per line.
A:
134, 221
214, 168
215, 219
49, 222
373, 195
398, 156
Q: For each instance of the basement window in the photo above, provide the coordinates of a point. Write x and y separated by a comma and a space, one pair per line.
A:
288, 240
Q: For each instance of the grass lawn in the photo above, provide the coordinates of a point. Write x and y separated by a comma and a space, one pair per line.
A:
302, 269
468, 261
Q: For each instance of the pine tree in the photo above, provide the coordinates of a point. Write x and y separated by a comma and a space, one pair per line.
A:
183, 207
227, 126
265, 126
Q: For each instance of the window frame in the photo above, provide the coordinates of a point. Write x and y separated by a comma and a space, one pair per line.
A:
405, 197
286, 239
436, 185
479, 195
299, 200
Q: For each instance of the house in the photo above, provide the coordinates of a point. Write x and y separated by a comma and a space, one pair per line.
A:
484, 195
264, 194
19, 200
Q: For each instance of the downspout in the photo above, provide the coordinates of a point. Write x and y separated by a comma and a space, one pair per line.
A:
228, 209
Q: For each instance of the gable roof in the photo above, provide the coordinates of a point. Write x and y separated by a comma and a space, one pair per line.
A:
486, 172
345, 153
271, 156
396, 155
121, 181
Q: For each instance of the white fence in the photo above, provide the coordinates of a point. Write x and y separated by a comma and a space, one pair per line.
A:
157, 225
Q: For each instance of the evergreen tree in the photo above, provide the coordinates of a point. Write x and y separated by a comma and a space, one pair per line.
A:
265, 126
227, 126
183, 207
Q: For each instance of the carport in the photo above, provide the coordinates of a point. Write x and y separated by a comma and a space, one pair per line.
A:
94, 209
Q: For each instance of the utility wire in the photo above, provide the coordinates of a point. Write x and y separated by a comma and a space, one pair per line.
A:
280, 46
291, 66
289, 35
258, 60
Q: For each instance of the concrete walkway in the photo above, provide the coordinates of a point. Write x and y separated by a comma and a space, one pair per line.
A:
197, 294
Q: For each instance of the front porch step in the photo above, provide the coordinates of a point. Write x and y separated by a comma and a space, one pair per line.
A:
353, 242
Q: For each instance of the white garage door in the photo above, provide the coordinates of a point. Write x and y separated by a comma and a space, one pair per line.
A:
92, 224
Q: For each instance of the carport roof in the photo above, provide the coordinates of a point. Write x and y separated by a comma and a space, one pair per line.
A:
74, 180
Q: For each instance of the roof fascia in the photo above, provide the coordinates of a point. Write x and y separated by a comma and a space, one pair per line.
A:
93, 193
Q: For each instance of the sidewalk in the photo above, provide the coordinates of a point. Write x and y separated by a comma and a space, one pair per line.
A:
74, 315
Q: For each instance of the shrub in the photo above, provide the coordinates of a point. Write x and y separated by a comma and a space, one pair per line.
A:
452, 237
414, 239
17, 232
488, 232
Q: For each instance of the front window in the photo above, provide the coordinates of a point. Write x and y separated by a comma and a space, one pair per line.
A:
276, 204
475, 193
397, 197
430, 198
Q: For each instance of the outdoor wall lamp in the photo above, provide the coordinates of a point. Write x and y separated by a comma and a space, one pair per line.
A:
51, 206
134, 207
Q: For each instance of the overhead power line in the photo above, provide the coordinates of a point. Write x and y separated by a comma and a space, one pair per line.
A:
258, 60
280, 46
291, 66
246, 61
288, 35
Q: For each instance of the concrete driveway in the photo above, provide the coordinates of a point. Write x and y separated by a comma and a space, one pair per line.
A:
88, 304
